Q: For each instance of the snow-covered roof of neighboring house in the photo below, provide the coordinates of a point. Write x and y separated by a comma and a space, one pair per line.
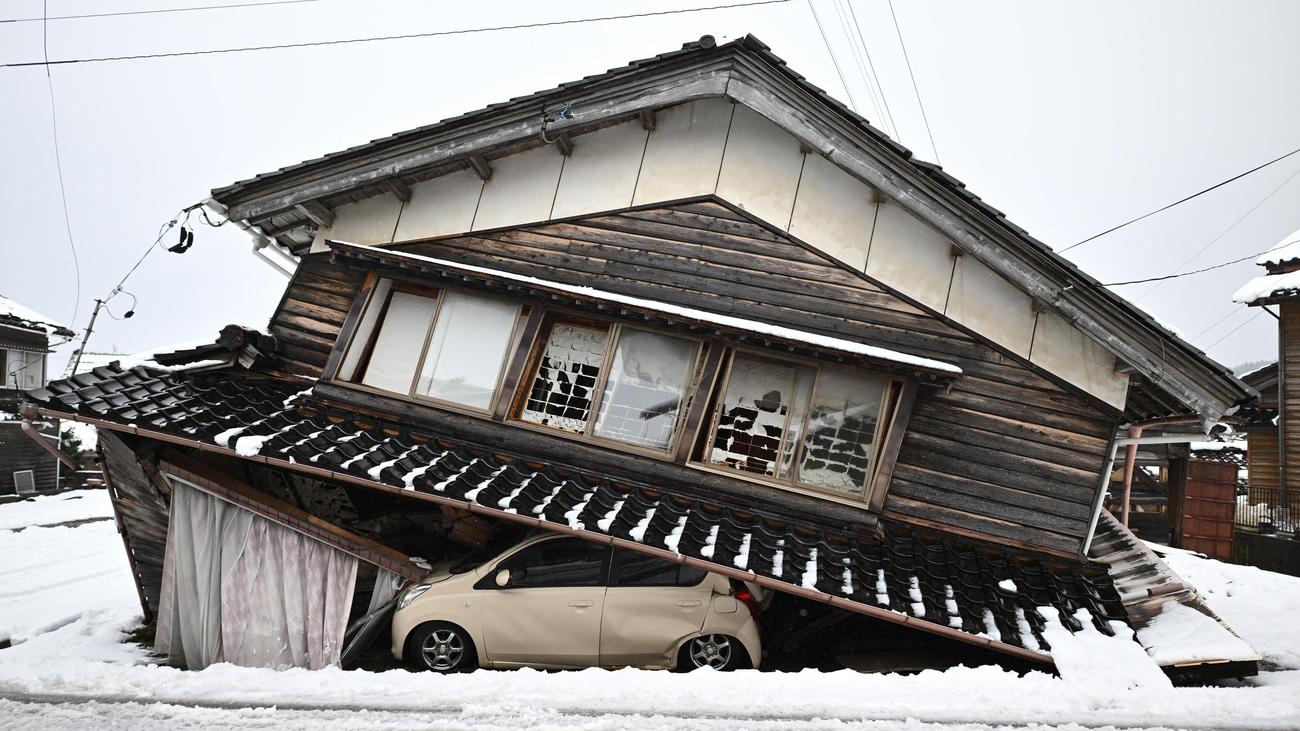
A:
778, 332
1267, 287
1288, 249
15, 315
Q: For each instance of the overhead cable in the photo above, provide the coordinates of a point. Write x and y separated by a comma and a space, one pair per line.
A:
156, 12
403, 36
58, 166
852, 102
1180, 201
915, 90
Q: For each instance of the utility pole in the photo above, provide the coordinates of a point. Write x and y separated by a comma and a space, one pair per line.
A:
86, 337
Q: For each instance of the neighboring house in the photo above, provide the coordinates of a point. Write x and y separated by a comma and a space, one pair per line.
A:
715, 317
24, 344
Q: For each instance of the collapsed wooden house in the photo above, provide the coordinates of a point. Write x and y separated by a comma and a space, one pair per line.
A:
706, 313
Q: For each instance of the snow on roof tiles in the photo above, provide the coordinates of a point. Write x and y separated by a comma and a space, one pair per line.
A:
1267, 286
16, 315
728, 321
1288, 249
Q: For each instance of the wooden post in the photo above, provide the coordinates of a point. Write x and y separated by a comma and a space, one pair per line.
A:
1177, 500
1130, 457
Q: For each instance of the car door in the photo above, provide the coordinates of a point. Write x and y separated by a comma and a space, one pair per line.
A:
549, 613
650, 605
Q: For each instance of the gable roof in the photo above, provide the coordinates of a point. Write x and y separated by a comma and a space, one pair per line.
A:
279, 204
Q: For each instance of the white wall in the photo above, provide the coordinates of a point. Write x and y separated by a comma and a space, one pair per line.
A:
713, 146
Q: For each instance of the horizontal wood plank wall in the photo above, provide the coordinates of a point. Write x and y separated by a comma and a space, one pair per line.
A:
309, 317
1006, 453
1289, 392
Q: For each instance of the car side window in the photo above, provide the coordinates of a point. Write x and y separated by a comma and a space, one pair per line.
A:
564, 562
636, 569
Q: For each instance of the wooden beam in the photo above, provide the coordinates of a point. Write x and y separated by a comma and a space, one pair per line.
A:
648, 120
565, 143
481, 167
54, 451
317, 213
400, 189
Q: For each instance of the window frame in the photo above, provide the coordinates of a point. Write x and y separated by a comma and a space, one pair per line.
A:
366, 300
895, 405
617, 557
523, 387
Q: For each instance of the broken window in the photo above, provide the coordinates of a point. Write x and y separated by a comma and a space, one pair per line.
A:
455, 341
799, 423
613, 382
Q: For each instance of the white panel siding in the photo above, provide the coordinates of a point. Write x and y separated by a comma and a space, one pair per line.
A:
684, 152
834, 212
601, 172
521, 190
440, 206
370, 221
910, 256
983, 301
1064, 350
760, 167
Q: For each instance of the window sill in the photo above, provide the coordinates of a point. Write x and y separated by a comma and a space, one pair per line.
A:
828, 496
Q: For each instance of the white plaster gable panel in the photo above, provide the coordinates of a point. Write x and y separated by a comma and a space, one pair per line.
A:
760, 167
443, 205
983, 301
834, 212
601, 172
369, 221
521, 190
910, 256
684, 151
1065, 351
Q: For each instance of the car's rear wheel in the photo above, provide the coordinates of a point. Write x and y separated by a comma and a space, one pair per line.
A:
719, 652
442, 648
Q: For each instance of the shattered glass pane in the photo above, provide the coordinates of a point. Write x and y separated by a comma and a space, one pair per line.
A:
753, 415
468, 349
837, 442
563, 389
645, 388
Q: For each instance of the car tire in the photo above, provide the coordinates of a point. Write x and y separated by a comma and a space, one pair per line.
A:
441, 647
720, 652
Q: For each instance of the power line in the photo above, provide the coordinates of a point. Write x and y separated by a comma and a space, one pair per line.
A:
403, 36
1225, 231
915, 90
1186, 274
843, 21
872, 66
852, 102
1233, 330
1218, 322
156, 12
58, 166
1239, 176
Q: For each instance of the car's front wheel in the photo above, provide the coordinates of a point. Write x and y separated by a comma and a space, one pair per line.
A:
719, 652
442, 648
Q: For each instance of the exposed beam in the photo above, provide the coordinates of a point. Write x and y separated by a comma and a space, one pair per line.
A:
565, 143
399, 189
481, 166
648, 120
317, 213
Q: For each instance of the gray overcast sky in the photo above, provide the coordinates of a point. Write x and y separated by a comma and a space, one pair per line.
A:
1069, 117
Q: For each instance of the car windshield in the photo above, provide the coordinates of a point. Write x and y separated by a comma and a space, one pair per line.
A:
478, 556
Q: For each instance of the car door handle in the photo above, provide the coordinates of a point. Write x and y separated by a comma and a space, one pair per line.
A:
581, 603
689, 603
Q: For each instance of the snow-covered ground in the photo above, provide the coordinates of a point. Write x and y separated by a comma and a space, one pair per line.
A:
67, 599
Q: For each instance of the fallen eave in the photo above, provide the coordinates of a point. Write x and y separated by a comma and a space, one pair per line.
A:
892, 617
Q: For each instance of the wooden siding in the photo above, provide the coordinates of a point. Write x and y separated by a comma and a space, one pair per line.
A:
1289, 391
141, 504
19, 452
1006, 453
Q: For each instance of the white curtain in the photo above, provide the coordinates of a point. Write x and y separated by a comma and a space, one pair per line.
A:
241, 589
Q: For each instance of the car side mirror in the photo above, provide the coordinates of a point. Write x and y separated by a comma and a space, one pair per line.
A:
503, 578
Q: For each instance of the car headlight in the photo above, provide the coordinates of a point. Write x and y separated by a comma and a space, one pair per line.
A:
410, 594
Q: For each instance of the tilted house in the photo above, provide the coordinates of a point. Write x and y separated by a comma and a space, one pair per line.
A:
709, 314
24, 346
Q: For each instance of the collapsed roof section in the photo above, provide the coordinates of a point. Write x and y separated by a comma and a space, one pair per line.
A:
993, 596
291, 204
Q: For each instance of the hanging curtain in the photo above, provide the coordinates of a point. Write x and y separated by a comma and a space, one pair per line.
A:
241, 589
361, 633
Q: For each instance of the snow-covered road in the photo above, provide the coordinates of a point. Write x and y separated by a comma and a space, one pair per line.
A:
66, 604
